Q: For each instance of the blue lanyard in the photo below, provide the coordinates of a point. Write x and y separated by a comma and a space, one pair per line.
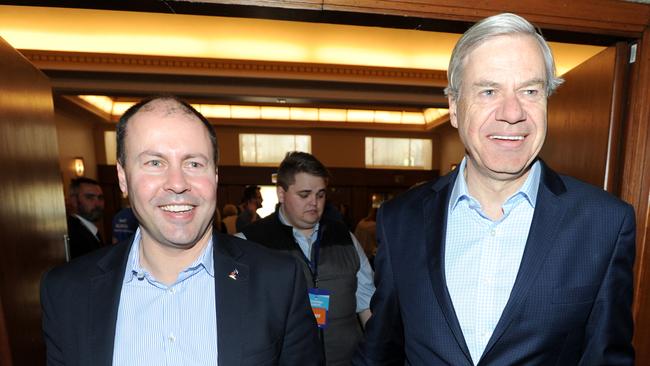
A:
315, 254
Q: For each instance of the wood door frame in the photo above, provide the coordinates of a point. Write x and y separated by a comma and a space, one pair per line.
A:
635, 189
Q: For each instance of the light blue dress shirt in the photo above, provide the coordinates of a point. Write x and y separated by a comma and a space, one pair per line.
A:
365, 283
482, 256
167, 325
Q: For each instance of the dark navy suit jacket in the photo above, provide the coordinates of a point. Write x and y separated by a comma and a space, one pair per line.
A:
263, 317
570, 304
81, 240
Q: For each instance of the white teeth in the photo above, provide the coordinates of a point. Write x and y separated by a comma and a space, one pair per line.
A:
512, 138
176, 208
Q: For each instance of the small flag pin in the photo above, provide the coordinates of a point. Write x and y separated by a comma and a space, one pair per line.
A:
233, 275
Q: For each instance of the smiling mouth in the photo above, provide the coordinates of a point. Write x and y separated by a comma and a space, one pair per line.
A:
177, 208
507, 138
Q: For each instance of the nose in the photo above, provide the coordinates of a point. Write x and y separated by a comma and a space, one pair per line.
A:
510, 111
313, 199
176, 181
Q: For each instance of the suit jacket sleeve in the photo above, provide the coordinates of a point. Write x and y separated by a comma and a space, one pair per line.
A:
51, 326
608, 336
384, 338
301, 345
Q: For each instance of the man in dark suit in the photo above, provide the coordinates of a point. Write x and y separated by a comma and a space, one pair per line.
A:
503, 261
176, 293
87, 201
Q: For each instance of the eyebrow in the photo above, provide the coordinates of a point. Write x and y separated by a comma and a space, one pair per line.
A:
485, 84
493, 84
160, 155
309, 190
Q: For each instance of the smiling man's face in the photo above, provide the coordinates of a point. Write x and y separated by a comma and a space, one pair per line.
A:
170, 175
501, 110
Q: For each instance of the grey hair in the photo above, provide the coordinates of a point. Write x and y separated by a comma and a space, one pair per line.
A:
496, 25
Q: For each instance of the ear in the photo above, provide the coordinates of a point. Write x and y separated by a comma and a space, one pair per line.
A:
281, 192
121, 177
453, 116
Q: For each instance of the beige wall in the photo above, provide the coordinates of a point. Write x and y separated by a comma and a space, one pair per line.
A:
451, 148
335, 148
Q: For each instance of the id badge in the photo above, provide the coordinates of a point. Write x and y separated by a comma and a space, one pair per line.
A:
320, 303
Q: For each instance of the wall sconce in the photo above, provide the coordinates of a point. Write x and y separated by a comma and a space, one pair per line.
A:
79, 166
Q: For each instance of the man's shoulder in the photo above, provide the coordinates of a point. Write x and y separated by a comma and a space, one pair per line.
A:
589, 194
412, 196
252, 252
262, 226
73, 221
82, 269
582, 199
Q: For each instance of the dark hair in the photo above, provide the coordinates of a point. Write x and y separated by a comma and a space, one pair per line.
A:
143, 105
300, 162
250, 193
76, 183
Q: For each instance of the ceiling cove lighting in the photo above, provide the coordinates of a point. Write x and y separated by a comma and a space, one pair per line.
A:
224, 111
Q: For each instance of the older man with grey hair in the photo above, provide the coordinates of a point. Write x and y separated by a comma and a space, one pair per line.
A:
503, 261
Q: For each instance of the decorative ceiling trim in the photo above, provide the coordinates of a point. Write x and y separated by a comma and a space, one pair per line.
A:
101, 62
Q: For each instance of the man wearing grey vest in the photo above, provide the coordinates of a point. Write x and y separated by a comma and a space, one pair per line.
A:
336, 268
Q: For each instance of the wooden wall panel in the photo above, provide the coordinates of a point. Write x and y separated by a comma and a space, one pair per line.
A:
32, 211
5, 348
613, 17
579, 118
597, 16
635, 189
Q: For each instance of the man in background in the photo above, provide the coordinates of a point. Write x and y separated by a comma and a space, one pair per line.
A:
335, 266
124, 224
87, 202
251, 201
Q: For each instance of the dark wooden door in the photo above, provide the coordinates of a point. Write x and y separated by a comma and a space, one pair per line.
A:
32, 212
585, 120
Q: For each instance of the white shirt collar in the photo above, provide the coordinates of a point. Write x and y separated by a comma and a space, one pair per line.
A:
89, 225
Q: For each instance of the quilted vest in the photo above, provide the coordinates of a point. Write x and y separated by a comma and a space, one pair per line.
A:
338, 265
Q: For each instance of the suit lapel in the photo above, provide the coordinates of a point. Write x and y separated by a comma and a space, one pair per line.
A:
545, 225
105, 290
231, 291
435, 222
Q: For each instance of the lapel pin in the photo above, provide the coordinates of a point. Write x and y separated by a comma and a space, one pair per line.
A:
233, 275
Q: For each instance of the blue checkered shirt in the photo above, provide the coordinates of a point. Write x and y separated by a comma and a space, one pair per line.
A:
482, 256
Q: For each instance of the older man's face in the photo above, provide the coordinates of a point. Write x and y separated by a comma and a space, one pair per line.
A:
170, 175
501, 111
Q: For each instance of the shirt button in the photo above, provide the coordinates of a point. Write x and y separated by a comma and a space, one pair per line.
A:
171, 338
171, 291
493, 232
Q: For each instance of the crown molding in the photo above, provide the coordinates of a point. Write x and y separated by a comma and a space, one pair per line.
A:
141, 64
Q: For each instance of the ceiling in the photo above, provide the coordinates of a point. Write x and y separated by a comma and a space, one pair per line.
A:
239, 60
